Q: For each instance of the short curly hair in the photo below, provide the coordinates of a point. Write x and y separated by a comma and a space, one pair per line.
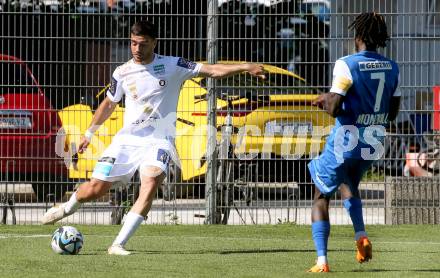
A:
371, 29
144, 28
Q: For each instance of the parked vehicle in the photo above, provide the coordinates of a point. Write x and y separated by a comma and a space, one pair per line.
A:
28, 128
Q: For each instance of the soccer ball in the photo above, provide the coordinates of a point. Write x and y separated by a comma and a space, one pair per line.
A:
67, 240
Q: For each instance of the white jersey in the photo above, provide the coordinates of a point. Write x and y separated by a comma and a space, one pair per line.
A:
151, 95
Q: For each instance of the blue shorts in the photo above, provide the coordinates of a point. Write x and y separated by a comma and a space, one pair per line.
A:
328, 174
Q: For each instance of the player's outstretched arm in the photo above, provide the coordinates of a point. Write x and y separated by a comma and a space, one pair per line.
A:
219, 71
103, 112
330, 102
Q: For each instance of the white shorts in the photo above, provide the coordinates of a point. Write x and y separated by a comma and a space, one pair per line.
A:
118, 163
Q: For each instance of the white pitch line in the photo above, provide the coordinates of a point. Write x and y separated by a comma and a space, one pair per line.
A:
213, 237
21, 236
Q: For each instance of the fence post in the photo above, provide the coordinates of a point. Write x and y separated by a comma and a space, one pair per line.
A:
211, 173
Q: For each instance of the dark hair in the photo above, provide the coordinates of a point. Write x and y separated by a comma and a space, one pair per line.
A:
371, 29
144, 28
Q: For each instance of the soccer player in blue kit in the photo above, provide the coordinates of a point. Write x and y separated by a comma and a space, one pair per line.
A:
364, 98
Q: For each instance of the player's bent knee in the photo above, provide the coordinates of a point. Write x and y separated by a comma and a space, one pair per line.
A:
151, 172
150, 184
94, 189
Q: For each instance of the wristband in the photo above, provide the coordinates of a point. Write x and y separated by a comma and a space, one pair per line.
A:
88, 134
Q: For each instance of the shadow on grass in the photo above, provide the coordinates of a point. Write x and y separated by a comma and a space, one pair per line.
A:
224, 252
393, 270
375, 251
243, 251
93, 253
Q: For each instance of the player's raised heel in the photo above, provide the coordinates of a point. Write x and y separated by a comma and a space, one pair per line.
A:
53, 215
364, 250
319, 268
118, 250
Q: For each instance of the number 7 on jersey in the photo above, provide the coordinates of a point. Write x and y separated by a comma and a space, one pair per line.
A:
380, 87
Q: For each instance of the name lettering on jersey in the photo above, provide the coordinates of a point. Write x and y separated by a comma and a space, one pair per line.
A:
372, 119
159, 69
186, 64
376, 65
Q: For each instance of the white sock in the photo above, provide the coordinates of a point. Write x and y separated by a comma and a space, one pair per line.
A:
72, 205
321, 260
359, 234
132, 222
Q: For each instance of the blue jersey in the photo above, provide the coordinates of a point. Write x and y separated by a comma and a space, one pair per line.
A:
368, 81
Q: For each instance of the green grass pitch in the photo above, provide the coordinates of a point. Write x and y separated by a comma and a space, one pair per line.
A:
220, 251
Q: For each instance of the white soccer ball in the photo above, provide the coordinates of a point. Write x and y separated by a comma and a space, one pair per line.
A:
67, 240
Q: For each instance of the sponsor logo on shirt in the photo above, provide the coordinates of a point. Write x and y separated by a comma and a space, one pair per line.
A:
107, 159
147, 121
113, 85
132, 88
322, 183
186, 64
104, 166
159, 69
163, 156
376, 65
148, 108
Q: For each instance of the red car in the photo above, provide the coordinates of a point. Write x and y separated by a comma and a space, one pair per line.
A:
28, 129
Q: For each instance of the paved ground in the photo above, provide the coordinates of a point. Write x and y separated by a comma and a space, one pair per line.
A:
193, 211
187, 211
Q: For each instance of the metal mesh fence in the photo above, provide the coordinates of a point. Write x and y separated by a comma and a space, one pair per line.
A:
56, 63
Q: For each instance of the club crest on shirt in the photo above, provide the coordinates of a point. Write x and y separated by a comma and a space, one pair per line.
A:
186, 64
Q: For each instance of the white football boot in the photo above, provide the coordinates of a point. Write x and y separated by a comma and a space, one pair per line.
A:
118, 250
53, 215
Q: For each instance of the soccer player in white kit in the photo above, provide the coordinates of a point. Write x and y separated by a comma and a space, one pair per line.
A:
151, 85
